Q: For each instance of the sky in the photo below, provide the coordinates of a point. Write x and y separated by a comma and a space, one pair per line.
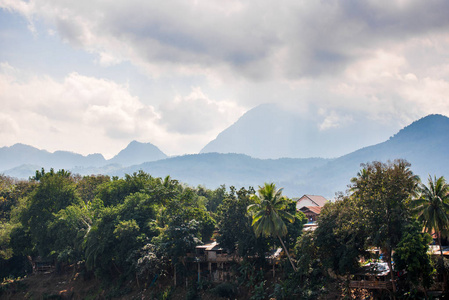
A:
91, 76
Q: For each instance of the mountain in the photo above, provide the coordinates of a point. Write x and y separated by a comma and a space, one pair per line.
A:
20, 154
20, 159
214, 169
273, 131
137, 153
423, 143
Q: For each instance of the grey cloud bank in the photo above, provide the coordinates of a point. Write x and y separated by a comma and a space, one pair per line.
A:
344, 61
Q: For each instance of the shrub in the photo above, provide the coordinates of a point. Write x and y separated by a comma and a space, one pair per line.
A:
225, 290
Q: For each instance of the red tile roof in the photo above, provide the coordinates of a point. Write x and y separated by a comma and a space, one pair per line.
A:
315, 209
319, 200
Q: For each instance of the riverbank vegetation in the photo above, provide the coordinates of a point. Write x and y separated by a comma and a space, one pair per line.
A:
136, 236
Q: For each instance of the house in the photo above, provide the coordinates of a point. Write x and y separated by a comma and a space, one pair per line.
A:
311, 212
310, 200
311, 206
213, 262
372, 276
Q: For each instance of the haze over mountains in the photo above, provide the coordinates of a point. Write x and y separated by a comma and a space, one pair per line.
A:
25, 157
424, 144
273, 131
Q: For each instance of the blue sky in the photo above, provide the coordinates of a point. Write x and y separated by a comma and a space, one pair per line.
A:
91, 76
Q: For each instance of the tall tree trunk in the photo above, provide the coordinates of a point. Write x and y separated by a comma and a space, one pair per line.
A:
442, 262
288, 255
391, 271
174, 277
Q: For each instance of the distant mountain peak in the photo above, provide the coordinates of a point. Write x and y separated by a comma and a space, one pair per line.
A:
424, 127
137, 153
274, 131
22, 154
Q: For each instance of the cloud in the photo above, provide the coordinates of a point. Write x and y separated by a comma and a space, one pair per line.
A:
252, 39
88, 115
196, 113
333, 120
345, 61
80, 113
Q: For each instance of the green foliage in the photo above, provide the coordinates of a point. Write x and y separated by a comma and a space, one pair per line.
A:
225, 290
87, 187
295, 228
385, 192
69, 228
115, 191
5, 248
55, 192
139, 227
179, 239
11, 191
259, 291
149, 262
311, 277
412, 255
215, 197
206, 224
235, 228
433, 207
306, 252
269, 212
166, 294
341, 235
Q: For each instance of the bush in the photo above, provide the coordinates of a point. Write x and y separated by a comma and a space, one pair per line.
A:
225, 290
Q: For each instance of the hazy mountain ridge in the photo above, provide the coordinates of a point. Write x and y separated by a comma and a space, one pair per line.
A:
20, 154
17, 158
214, 169
137, 153
272, 131
424, 143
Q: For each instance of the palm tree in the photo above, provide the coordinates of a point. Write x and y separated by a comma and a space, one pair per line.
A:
268, 214
433, 207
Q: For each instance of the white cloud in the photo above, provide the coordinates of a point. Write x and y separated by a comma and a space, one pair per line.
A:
333, 120
315, 38
196, 113
88, 115
81, 113
382, 61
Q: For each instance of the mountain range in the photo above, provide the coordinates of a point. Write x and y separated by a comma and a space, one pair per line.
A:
19, 159
424, 143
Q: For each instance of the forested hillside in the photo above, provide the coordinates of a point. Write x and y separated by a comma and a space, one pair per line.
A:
137, 236
113, 229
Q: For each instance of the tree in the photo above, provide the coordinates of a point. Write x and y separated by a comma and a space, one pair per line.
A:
341, 235
87, 186
411, 254
55, 191
433, 207
385, 191
234, 225
268, 214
